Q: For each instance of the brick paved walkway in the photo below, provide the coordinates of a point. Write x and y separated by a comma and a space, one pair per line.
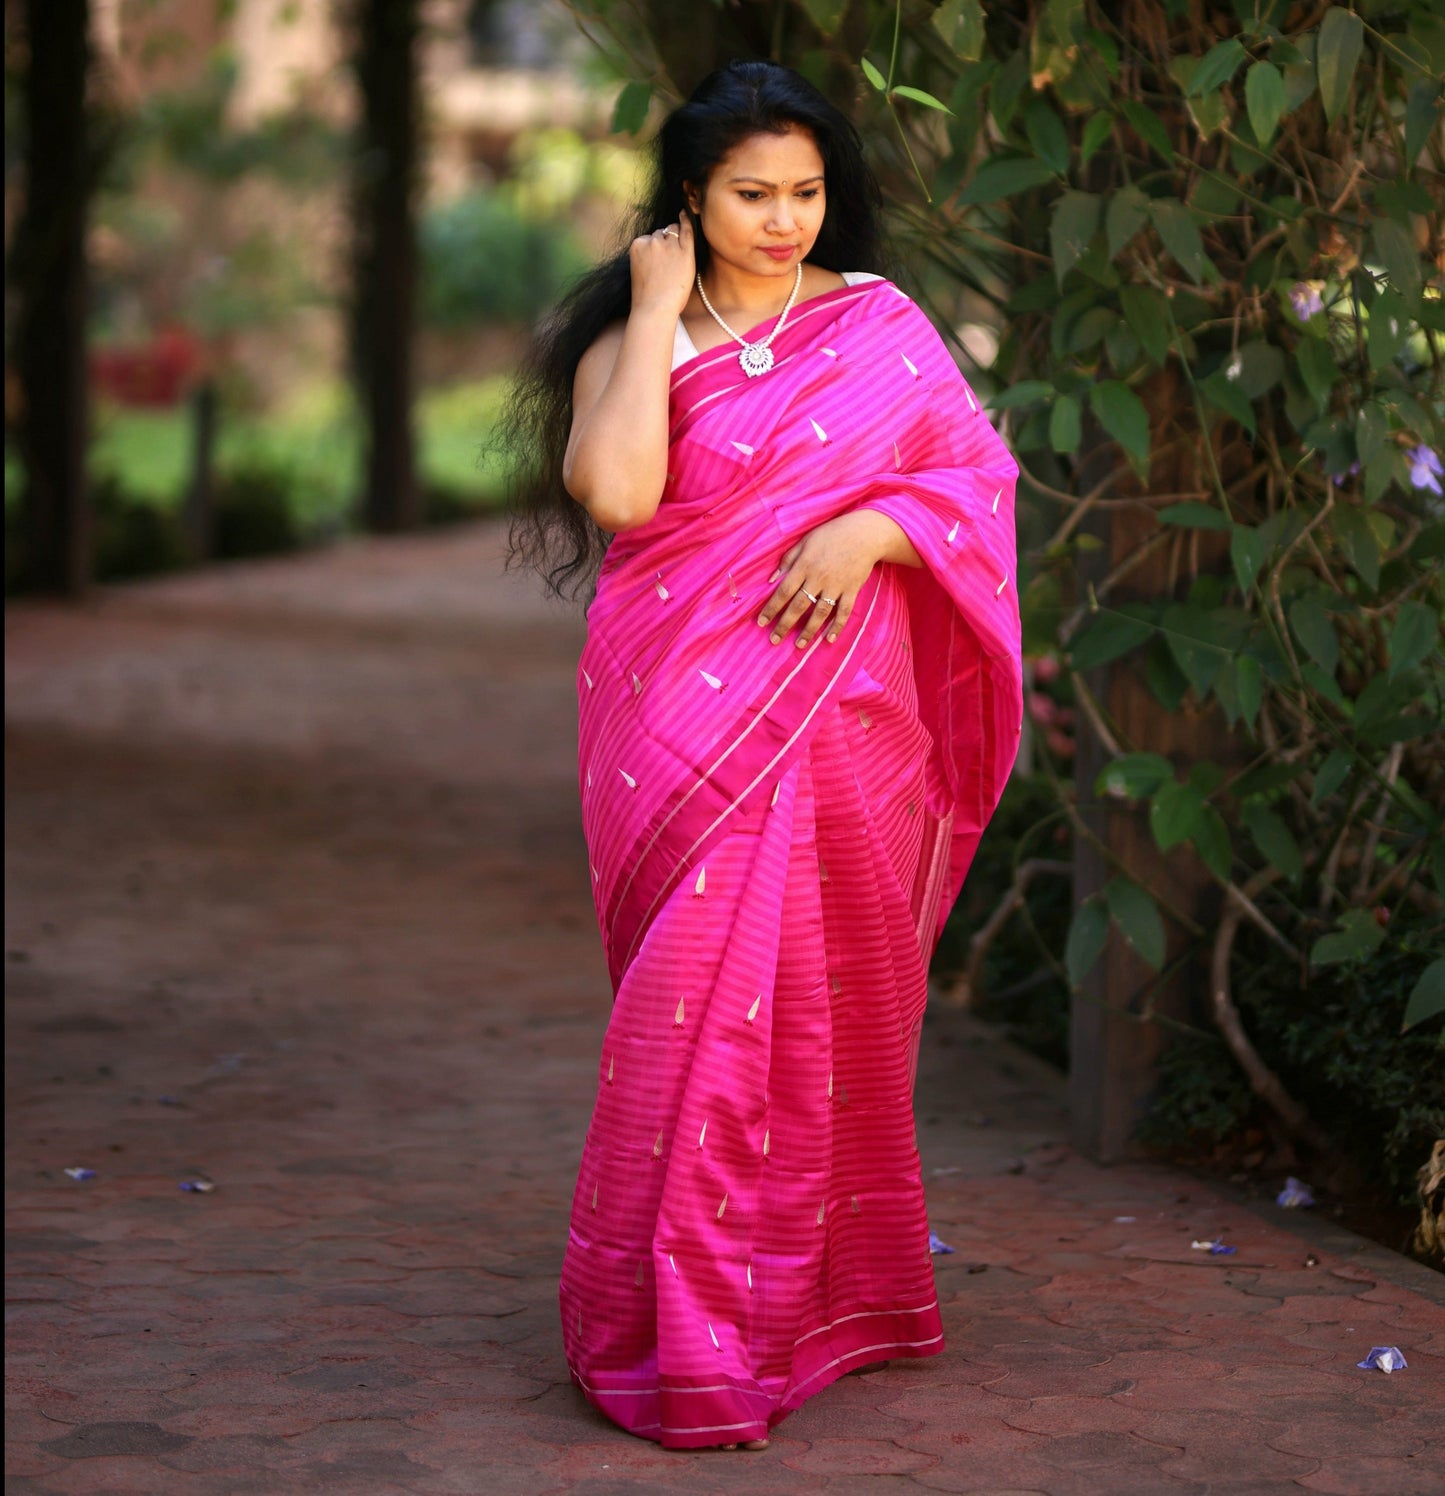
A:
297, 904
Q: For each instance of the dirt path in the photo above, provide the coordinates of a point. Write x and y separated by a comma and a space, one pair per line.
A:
297, 904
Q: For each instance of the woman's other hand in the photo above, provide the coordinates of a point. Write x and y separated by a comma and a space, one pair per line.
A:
663, 268
820, 577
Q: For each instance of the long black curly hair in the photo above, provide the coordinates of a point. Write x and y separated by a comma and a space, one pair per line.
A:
550, 530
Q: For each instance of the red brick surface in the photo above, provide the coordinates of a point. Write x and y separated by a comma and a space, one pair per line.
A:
294, 846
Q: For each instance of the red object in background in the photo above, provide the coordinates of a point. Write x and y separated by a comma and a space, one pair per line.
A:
160, 372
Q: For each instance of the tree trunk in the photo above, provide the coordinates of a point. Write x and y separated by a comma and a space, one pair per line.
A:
50, 276
1114, 1037
384, 294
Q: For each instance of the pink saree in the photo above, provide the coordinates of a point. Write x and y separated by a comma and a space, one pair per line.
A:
776, 836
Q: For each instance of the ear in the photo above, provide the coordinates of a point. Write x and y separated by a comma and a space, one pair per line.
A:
693, 198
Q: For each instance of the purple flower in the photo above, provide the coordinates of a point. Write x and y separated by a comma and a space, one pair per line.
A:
79, 1173
937, 1245
1387, 1357
1425, 467
1304, 297
1295, 1194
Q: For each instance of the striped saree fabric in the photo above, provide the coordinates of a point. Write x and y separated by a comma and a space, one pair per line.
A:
776, 836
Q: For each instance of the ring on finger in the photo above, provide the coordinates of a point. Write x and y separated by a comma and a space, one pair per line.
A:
668, 231
828, 602
808, 595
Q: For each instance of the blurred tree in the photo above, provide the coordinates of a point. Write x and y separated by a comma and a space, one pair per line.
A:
48, 272
385, 256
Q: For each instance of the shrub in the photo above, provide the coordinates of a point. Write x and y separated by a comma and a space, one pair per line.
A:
483, 261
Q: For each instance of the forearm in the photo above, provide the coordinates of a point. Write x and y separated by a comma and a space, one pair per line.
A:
888, 538
619, 463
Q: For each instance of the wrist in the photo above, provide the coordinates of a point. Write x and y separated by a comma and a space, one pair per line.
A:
652, 315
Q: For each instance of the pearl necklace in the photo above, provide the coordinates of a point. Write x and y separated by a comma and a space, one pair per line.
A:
755, 358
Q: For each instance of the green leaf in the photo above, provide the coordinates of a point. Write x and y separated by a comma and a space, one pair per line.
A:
1357, 539
1149, 128
1147, 314
1372, 426
1318, 369
1004, 177
1128, 213
960, 24
1218, 65
1121, 413
1191, 635
1107, 635
1248, 550
1137, 916
1389, 329
1224, 394
1413, 636
1274, 839
1421, 109
1074, 223
1257, 367
1096, 132
1396, 252
1249, 687
1180, 234
1264, 98
1337, 53
873, 75
1135, 776
1047, 135
1025, 392
1359, 935
1330, 776
1427, 998
1175, 814
629, 113
1312, 627
1194, 515
1211, 841
1066, 424
1088, 934
907, 91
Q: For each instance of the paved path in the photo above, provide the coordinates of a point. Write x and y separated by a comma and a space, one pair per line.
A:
297, 905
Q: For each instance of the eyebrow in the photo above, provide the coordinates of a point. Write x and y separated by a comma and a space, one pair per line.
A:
763, 181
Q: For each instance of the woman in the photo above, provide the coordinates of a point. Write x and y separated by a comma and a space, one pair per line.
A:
799, 701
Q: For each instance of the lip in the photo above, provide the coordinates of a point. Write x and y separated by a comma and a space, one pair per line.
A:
783, 252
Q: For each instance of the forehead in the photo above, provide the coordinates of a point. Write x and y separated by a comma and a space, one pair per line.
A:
773, 158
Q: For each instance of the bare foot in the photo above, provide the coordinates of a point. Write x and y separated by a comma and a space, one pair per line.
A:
746, 1444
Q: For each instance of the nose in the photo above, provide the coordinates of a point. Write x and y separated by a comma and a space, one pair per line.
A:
780, 220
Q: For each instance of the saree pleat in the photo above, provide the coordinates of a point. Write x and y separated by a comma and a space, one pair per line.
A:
775, 837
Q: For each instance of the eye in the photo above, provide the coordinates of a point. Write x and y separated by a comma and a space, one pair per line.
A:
809, 192
749, 194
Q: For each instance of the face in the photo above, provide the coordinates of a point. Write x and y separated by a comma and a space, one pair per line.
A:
763, 205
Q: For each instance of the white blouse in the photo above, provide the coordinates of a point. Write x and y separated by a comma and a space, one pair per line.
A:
683, 347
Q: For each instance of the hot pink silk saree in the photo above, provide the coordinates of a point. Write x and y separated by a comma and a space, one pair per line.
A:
776, 836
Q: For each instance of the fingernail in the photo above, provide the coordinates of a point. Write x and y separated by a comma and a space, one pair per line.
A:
802, 643
763, 621
832, 638
775, 576
776, 639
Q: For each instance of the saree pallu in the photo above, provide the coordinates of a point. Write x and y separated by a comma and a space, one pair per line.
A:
776, 836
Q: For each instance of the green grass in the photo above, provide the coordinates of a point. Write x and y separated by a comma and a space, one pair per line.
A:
315, 443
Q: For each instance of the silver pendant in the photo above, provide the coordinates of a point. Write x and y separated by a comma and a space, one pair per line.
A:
756, 358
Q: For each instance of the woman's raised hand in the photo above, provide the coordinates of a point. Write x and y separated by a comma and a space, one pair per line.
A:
663, 268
